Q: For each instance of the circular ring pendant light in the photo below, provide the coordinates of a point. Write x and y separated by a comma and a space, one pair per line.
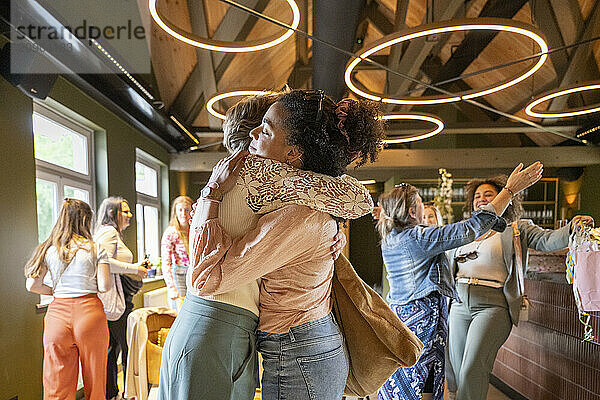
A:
482, 24
220, 96
219, 45
414, 117
564, 92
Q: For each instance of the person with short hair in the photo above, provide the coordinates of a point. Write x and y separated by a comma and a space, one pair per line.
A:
75, 327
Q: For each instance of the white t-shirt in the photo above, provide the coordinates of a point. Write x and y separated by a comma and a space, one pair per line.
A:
80, 276
489, 264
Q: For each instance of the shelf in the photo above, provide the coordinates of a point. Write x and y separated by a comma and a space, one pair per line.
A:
550, 203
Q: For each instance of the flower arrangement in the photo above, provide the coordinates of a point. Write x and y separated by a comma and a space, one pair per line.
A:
443, 198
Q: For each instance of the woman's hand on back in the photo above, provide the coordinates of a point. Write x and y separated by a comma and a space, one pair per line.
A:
339, 242
225, 173
521, 178
584, 219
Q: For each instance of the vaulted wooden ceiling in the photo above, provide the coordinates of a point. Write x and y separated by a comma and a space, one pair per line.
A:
186, 77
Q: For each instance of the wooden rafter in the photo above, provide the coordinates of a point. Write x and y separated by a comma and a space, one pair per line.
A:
475, 42
202, 81
236, 25
416, 53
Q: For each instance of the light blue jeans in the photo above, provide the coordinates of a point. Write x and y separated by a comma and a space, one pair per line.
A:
306, 363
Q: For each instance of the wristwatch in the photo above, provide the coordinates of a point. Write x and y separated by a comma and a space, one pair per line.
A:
211, 192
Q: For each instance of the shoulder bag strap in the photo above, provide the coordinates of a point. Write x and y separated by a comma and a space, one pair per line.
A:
518, 257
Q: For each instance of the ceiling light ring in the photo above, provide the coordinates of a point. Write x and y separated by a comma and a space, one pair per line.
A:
418, 117
571, 112
219, 45
224, 95
498, 24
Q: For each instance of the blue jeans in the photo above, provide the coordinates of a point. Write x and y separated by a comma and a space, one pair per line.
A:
307, 362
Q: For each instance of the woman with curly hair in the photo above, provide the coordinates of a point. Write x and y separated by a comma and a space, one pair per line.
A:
489, 284
210, 350
419, 275
302, 347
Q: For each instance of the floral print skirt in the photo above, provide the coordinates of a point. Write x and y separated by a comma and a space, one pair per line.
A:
428, 319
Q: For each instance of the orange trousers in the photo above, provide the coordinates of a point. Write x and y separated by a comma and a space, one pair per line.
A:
75, 329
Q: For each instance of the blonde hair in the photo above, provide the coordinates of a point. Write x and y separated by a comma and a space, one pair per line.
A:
244, 116
395, 209
174, 222
438, 214
71, 232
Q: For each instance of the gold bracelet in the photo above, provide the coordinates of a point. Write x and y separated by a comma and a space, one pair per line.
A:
512, 194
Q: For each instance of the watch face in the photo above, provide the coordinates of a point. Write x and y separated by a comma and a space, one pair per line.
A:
205, 192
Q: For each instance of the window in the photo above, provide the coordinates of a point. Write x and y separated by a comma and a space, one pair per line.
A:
63, 151
147, 186
64, 167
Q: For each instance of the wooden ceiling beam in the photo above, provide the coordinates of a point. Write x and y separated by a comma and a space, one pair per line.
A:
201, 82
471, 158
578, 63
475, 42
301, 40
476, 114
396, 51
417, 51
378, 19
495, 157
235, 25
546, 20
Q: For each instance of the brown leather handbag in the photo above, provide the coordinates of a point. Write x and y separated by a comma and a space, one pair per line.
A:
377, 341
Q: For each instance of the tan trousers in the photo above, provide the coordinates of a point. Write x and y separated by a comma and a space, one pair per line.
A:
75, 329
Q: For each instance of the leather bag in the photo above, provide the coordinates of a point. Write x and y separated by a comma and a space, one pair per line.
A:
525, 304
377, 341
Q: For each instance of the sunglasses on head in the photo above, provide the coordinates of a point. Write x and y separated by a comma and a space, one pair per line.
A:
316, 95
468, 256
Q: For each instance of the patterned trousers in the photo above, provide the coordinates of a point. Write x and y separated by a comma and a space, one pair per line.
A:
428, 319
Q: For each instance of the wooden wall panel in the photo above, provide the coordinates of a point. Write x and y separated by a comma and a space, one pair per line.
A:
545, 357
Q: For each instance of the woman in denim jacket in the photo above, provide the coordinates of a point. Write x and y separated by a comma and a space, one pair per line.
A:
419, 275
489, 298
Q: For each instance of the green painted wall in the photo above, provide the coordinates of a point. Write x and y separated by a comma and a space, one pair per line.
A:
22, 325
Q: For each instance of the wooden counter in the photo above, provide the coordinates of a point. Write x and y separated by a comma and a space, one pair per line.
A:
545, 358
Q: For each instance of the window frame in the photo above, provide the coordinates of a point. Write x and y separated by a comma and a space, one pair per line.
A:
65, 175
147, 200
62, 176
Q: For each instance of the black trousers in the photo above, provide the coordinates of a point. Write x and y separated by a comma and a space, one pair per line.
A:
116, 345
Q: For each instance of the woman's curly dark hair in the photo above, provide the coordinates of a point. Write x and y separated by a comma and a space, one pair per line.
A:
513, 211
325, 149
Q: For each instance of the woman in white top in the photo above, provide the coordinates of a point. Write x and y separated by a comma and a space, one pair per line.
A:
489, 275
114, 216
75, 325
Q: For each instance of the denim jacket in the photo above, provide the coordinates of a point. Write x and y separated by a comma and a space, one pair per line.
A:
415, 257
